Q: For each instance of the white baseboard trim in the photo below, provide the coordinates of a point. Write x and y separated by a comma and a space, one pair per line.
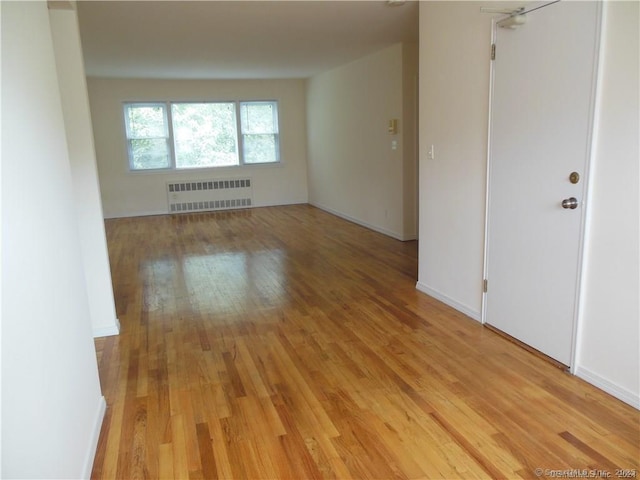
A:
93, 442
468, 311
136, 214
611, 388
107, 331
384, 231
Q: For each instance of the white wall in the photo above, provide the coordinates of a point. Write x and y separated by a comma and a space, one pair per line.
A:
129, 194
77, 117
353, 171
609, 346
454, 93
454, 102
410, 139
51, 402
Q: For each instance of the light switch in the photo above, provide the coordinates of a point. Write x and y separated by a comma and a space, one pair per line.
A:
394, 144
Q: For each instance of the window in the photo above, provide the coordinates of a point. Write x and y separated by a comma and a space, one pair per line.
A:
147, 136
259, 121
205, 134
201, 135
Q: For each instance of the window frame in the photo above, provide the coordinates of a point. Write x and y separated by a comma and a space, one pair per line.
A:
170, 139
167, 130
276, 133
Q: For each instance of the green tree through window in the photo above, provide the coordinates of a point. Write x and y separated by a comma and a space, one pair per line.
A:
203, 134
259, 122
147, 136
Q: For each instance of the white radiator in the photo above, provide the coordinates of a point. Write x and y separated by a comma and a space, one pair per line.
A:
203, 195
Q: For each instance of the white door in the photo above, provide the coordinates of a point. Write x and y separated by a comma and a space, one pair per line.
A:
541, 117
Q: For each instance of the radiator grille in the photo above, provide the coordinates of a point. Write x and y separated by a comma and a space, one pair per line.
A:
214, 194
194, 186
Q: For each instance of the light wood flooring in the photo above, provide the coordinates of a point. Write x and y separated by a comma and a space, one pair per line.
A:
287, 343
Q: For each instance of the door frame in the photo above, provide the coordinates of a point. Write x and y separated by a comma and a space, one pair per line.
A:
594, 107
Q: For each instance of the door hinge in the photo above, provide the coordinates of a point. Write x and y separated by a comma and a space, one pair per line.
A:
493, 51
485, 284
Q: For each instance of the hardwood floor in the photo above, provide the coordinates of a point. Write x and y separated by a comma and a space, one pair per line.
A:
287, 343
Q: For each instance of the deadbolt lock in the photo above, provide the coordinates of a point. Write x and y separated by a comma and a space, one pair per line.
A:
574, 177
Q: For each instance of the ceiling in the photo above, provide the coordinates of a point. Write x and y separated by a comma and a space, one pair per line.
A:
236, 39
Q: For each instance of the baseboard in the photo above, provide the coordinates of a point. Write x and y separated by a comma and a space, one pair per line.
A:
87, 467
136, 214
384, 231
468, 311
611, 388
107, 331
408, 237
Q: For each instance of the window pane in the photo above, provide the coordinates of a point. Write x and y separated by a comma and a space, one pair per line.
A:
259, 117
146, 121
205, 134
147, 134
260, 148
149, 153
